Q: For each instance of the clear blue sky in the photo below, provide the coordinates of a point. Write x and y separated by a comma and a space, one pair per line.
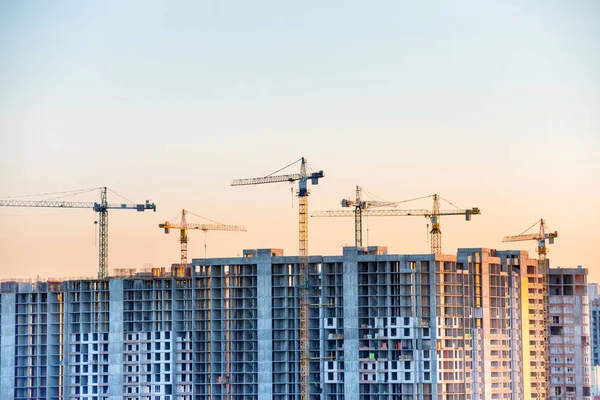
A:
489, 104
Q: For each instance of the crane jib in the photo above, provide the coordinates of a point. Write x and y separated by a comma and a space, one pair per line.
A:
138, 207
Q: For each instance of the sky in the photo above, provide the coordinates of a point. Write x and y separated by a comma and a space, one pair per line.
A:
489, 104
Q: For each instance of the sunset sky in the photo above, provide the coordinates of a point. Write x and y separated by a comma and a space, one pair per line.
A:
494, 105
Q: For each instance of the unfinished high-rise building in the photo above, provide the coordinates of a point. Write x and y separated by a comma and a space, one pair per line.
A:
381, 326
595, 330
535, 320
570, 349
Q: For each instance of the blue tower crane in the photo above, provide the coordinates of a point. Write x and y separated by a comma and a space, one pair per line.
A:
101, 208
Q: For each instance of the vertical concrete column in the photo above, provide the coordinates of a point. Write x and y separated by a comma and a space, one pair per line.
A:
433, 327
53, 339
7, 359
486, 387
265, 326
577, 325
525, 337
350, 293
516, 346
216, 326
115, 338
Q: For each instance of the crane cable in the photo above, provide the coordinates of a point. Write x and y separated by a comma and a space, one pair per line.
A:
536, 222
72, 193
121, 196
281, 169
197, 215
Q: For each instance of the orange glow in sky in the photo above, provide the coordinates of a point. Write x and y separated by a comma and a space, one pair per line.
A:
490, 105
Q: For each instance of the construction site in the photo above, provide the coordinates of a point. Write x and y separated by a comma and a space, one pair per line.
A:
364, 324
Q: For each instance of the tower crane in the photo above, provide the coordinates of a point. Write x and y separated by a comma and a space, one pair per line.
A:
541, 237
101, 208
544, 234
303, 177
359, 206
433, 215
184, 226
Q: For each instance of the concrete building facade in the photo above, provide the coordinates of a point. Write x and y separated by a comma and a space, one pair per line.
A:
595, 330
381, 326
595, 381
569, 335
593, 290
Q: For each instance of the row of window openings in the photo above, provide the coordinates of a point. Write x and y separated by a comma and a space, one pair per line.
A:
85, 390
148, 336
95, 379
157, 389
393, 365
158, 346
86, 337
394, 375
157, 357
148, 378
76, 348
84, 358
156, 368
77, 369
568, 370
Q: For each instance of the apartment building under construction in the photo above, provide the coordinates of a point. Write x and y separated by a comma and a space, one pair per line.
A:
570, 346
381, 326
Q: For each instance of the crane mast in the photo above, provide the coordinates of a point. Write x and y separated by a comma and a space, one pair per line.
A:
184, 227
359, 205
541, 301
303, 287
304, 284
183, 238
101, 208
103, 235
436, 232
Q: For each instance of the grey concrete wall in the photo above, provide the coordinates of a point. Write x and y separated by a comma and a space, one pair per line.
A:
7, 359
595, 331
433, 326
54, 339
516, 346
115, 338
350, 291
216, 325
486, 324
578, 321
265, 332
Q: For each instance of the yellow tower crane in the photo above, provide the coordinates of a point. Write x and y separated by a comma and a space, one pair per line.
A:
541, 237
303, 177
184, 226
433, 215
541, 298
